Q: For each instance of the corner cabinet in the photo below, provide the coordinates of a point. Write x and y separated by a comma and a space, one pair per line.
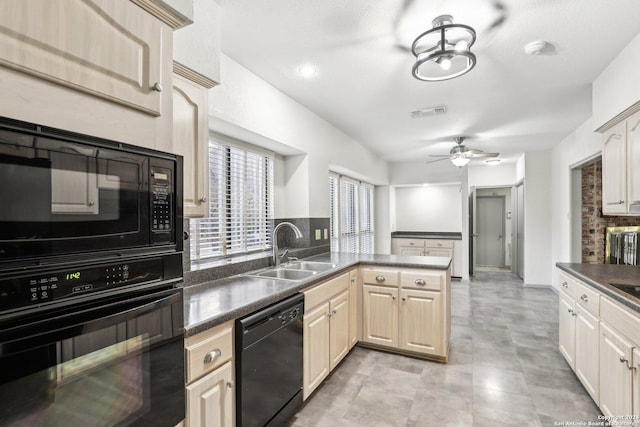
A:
210, 378
407, 310
191, 140
326, 336
58, 43
620, 173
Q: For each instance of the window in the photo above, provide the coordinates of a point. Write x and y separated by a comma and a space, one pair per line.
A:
351, 204
240, 203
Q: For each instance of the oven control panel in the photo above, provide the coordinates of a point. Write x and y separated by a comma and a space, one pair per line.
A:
60, 284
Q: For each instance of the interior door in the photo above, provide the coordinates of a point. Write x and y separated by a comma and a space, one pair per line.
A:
490, 231
472, 230
520, 229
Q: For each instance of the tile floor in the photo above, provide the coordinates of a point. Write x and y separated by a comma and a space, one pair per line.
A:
504, 370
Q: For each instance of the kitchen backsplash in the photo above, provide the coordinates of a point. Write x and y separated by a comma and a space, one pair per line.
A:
594, 224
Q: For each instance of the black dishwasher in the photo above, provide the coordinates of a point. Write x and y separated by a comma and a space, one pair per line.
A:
269, 364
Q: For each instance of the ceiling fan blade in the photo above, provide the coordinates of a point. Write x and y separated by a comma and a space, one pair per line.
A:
474, 155
439, 155
438, 160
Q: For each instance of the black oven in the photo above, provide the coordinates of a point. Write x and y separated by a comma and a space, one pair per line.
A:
66, 196
113, 361
91, 307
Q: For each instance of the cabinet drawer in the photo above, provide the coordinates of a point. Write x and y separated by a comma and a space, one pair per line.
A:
621, 318
436, 243
208, 350
587, 297
567, 284
419, 243
378, 276
321, 293
423, 280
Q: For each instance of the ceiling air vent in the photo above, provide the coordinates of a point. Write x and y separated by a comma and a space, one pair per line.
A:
428, 112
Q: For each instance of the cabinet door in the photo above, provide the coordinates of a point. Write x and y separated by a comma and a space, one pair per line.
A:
353, 308
636, 382
633, 160
586, 356
567, 329
614, 164
339, 328
407, 250
111, 49
210, 399
421, 321
74, 184
615, 376
439, 252
191, 140
315, 348
380, 311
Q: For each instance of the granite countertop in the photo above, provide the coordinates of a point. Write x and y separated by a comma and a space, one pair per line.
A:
600, 276
211, 303
444, 235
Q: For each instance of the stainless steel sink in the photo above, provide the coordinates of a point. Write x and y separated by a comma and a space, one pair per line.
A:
309, 266
284, 274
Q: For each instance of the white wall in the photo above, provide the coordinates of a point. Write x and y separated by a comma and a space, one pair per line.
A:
537, 218
246, 102
384, 206
429, 208
581, 145
492, 176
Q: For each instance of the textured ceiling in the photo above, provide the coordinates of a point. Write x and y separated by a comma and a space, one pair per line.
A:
510, 102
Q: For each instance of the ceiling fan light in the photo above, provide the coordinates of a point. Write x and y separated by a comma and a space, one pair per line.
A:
438, 58
460, 161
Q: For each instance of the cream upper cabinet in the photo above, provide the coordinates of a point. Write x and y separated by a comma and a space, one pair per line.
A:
190, 140
614, 170
58, 40
633, 162
615, 376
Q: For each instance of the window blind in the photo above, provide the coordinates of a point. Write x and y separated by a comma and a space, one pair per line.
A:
352, 205
240, 203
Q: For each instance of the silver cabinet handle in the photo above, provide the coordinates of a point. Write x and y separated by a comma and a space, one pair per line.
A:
411, 243
619, 202
334, 312
439, 244
404, 299
91, 203
203, 199
157, 86
229, 384
393, 297
212, 356
329, 315
573, 313
420, 282
380, 279
624, 360
564, 284
584, 298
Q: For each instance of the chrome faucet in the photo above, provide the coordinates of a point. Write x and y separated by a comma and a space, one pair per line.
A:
296, 230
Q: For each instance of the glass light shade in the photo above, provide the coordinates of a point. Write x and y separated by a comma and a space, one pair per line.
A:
443, 52
460, 161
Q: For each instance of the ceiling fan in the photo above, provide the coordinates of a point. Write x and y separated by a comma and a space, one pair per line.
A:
460, 155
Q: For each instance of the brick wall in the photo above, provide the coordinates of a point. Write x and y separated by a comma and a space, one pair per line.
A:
594, 224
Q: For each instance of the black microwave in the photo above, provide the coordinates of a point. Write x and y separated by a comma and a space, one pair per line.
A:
66, 197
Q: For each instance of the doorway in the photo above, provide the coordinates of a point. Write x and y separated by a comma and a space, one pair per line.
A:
519, 270
490, 224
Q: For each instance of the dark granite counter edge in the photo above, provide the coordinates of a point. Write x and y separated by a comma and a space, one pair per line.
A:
444, 235
612, 292
296, 287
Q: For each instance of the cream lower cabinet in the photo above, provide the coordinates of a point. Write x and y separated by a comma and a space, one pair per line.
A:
567, 329
587, 342
210, 378
431, 247
615, 377
191, 140
326, 339
407, 310
354, 302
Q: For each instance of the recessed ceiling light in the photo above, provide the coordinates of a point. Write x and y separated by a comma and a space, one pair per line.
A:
307, 71
492, 162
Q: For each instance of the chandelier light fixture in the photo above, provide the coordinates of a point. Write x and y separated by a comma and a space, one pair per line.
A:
443, 52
